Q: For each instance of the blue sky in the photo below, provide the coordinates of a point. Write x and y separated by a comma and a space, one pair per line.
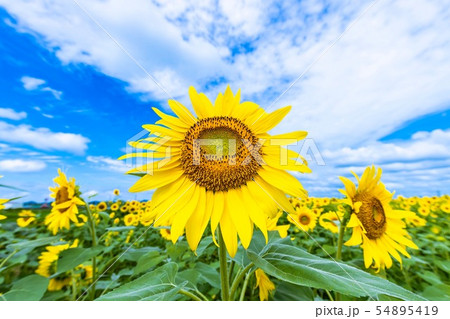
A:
70, 97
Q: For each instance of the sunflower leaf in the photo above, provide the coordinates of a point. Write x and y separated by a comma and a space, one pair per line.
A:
73, 257
158, 284
294, 265
30, 288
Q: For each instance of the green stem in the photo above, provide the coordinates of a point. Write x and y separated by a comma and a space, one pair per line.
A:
230, 271
94, 244
189, 294
245, 284
339, 250
340, 241
74, 287
329, 295
223, 268
238, 279
8, 257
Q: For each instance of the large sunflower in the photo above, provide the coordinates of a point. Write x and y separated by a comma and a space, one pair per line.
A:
377, 227
219, 166
48, 265
64, 208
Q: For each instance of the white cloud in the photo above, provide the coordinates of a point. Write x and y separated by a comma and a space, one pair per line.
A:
30, 83
43, 138
11, 114
391, 67
21, 166
57, 94
109, 164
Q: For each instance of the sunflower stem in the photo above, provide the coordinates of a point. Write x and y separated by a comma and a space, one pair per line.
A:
245, 284
189, 294
238, 280
340, 241
74, 286
94, 244
339, 250
223, 268
8, 257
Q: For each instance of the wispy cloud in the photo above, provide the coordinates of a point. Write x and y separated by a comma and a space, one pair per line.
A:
21, 166
31, 84
109, 164
43, 138
11, 114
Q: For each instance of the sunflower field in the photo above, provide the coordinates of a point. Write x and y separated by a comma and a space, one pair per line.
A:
266, 240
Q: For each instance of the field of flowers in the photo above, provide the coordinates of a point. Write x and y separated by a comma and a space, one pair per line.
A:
128, 260
267, 239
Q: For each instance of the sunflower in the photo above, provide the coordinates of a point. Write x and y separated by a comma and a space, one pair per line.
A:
331, 220
130, 219
48, 265
377, 227
64, 208
416, 221
264, 284
165, 233
26, 218
102, 206
219, 166
303, 218
445, 207
114, 207
116, 192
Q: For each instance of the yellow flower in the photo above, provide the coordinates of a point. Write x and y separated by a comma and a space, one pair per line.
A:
102, 206
331, 220
165, 233
116, 192
116, 221
130, 233
264, 284
26, 218
114, 207
377, 227
272, 225
112, 215
445, 207
219, 166
435, 229
303, 218
64, 208
124, 208
416, 221
48, 264
130, 219
424, 211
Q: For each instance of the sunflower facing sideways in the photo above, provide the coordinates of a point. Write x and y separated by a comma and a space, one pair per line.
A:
219, 166
377, 227
64, 208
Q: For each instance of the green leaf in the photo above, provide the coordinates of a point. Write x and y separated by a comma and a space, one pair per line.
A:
120, 228
147, 261
437, 292
30, 288
158, 284
208, 274
73, 257
290, 292
31, 244
133, 254
293, 264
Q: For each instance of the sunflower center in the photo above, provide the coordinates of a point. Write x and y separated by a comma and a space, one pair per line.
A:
372, 216
62, 196
304, 220
220, 153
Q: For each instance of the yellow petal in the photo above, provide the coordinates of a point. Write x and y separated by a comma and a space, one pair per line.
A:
158, 179
269, 121
182, 112
283, 181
